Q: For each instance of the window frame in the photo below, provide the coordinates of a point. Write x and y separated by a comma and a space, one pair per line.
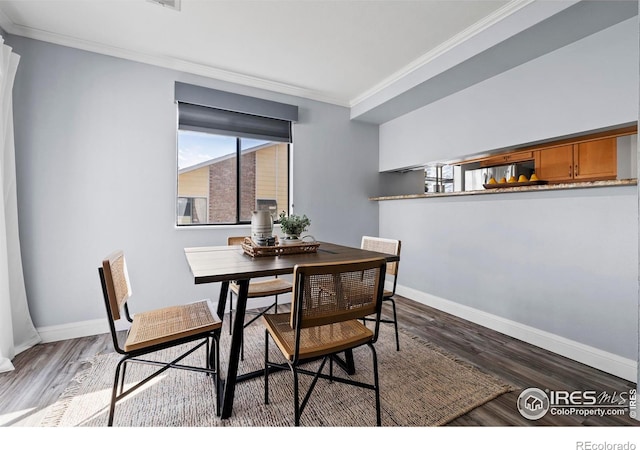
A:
238, 166
221, 112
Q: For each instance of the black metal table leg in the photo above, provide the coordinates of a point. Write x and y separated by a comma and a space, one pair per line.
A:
222, 298
234, 354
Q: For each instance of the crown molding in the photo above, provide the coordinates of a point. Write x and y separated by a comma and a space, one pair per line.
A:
168, 62
469, 33
248, 80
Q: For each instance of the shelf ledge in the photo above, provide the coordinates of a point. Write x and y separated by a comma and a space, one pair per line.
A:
508, 190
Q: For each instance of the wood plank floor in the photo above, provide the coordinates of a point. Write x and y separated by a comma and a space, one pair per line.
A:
43, 371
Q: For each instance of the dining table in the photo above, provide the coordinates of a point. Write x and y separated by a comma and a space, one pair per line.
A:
231, 263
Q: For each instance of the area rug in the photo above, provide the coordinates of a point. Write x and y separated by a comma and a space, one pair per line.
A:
420, 386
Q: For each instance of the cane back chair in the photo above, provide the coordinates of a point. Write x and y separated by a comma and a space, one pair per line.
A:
392, 247
150, 331
270, 287
327, 302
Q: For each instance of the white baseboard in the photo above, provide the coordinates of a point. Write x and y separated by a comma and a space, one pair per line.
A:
607, 362
73, 330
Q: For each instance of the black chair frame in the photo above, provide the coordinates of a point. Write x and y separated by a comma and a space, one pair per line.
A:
295, 365
389, 298
393, 321
296, 369
211, 340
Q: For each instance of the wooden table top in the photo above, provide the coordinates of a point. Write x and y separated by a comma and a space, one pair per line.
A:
230, 263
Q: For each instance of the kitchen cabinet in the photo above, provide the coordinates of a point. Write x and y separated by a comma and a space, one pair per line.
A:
508, 158
595, 159
555, 163
590, 157
588, 160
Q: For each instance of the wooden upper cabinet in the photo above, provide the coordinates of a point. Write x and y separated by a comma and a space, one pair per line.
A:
509, 158
595, 160
590, 157
555, 163
589, 160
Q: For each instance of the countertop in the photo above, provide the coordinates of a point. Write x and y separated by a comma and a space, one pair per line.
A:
506, 190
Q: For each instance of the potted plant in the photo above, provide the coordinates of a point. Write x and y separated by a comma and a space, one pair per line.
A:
293, 226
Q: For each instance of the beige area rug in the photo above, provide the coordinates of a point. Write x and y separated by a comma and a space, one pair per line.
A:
420, 386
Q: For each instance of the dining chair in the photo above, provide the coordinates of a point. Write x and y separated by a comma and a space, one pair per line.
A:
194, 324
392, 247
327, 302
270, 287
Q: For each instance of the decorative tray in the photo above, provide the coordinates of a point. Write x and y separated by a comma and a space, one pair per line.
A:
514, 184
253, 250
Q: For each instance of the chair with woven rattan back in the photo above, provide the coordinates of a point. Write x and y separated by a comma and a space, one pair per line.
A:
392, 247
196, 324
258, 288
327, 302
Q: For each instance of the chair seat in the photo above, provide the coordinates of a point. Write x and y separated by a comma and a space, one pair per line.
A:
168, 324
387, 294
316, 341
264, 288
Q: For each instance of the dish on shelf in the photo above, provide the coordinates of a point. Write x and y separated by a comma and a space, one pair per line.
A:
514, 184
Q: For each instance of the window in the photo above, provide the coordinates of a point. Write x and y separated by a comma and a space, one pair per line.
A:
222, 179
230, 163
439, 178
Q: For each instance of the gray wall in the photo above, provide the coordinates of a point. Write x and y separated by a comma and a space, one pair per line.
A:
564, 262
586, 85
96, 162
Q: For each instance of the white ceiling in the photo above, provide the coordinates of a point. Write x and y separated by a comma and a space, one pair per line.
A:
339, 51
